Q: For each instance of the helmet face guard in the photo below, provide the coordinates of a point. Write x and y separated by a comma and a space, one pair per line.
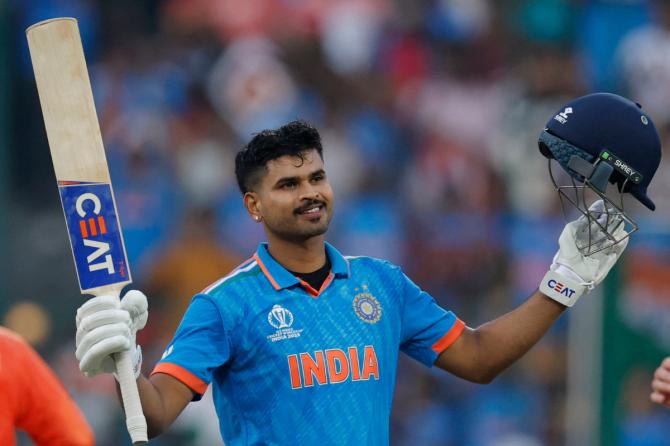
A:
589, 181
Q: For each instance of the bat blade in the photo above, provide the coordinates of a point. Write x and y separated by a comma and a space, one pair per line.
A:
83, 179
78, 156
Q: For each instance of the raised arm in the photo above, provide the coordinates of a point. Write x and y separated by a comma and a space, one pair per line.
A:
480, 354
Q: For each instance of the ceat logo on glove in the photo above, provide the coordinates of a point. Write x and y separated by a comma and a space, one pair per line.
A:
560, 288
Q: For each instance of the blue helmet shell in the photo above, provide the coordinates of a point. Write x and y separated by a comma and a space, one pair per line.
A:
604, 122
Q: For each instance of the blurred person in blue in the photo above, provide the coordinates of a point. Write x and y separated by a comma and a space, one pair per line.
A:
301, 343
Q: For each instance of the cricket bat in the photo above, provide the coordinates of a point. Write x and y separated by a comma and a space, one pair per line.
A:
83, 179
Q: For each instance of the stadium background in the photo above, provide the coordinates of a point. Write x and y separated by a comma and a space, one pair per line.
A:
429, 112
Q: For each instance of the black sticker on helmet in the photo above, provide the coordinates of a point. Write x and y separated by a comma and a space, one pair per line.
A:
621, 167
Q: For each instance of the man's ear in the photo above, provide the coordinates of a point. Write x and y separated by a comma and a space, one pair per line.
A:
253, 205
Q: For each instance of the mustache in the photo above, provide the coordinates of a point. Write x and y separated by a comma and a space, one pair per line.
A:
308, 205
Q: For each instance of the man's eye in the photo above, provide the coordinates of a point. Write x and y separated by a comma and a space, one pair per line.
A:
317, 178
289, 185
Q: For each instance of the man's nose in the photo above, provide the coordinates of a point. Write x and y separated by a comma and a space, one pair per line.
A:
309, 192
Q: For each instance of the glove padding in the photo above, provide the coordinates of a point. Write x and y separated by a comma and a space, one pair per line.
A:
106, 326
573, 273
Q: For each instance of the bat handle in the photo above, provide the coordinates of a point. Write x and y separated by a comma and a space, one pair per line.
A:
137, 425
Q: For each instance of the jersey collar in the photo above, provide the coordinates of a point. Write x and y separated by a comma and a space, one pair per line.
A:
280, 278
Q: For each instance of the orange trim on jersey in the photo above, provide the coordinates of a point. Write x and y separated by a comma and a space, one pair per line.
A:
310, 289
445, 341
266, 272
326, 282
176, 371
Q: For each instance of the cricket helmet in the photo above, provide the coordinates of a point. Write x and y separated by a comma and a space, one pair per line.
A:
602, 139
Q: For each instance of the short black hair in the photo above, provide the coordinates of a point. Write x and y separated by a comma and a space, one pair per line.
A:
294, 138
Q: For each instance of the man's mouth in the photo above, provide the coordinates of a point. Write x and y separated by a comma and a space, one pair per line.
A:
313, 210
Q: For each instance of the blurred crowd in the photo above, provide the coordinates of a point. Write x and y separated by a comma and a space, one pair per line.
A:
429, 112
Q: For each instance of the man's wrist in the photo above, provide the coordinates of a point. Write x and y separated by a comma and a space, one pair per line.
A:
560, 288
137, 362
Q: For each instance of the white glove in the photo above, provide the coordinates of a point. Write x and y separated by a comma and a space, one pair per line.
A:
105, 327
573, 273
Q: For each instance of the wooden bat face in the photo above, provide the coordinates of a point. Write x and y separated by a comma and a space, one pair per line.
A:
78, 155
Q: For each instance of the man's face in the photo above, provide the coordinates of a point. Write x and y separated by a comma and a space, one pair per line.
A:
294, 197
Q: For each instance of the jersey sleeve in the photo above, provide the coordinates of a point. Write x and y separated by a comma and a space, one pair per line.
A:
427, 329
200, 346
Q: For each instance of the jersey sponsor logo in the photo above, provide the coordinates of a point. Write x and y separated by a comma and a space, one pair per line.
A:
94, 233
282, 319
367, 307
560, 288
332, 366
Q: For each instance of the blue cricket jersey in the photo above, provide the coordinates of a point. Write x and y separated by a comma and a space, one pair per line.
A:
291, 365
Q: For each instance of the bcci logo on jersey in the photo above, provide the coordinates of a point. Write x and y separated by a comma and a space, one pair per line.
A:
282, 319
367, 308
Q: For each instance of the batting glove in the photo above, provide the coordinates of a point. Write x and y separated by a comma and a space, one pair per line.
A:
106, 326
572, 273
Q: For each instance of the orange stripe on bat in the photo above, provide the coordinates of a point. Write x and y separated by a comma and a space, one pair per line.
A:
101, 224
91, 225
82, 228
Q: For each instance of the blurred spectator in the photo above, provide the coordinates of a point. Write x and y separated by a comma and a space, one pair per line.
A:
660, 384
34, 401
188, 264
599, 30
147, 203
644, 63
350, 32
251, 88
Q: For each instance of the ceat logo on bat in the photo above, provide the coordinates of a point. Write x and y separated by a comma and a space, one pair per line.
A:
96, 241
560, 288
